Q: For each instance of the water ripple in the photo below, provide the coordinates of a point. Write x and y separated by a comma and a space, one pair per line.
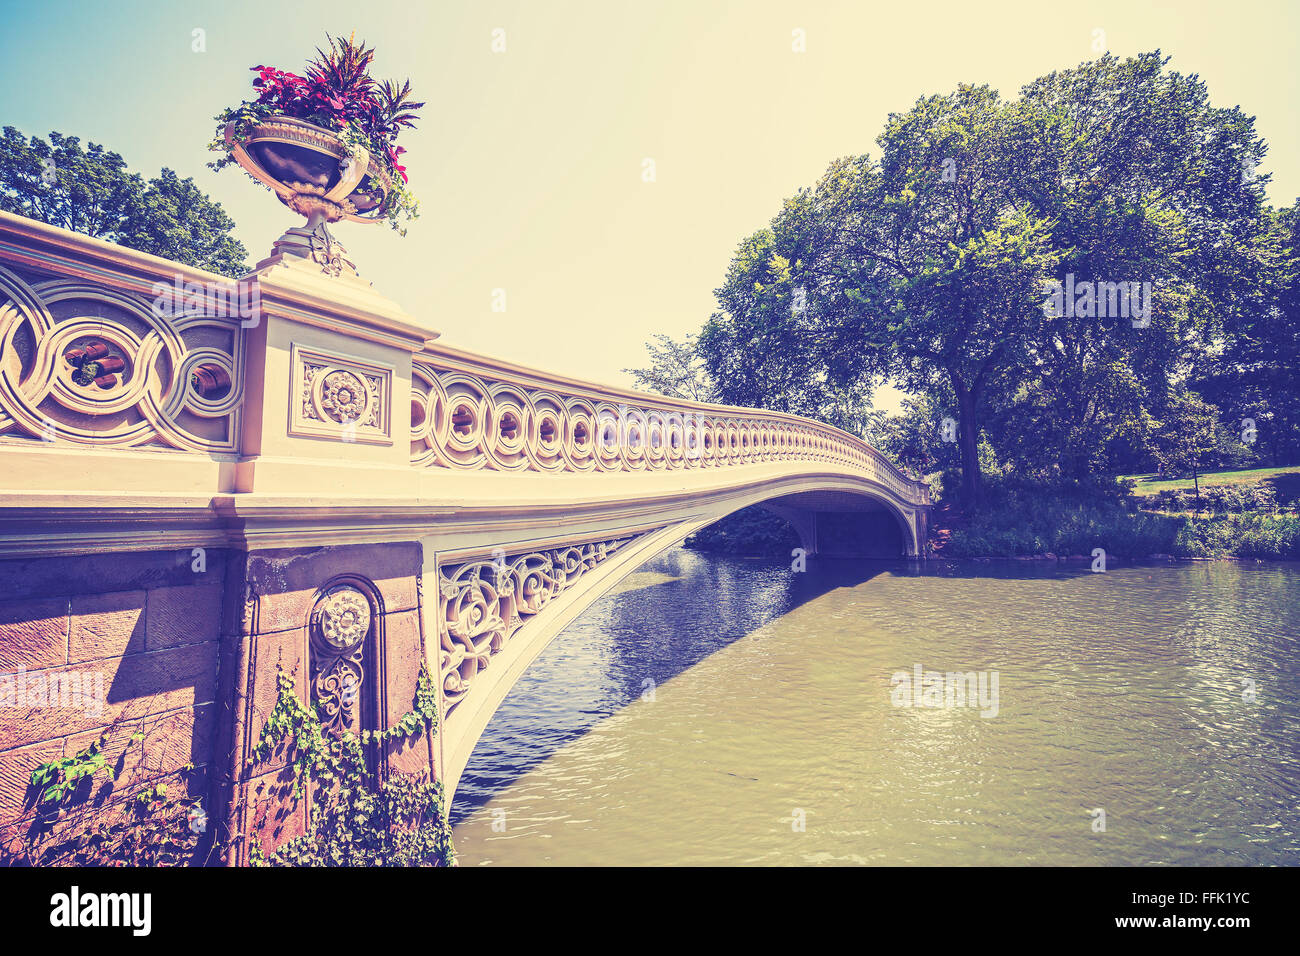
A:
1168, 697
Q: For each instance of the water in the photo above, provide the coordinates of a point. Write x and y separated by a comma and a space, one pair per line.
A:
771, 737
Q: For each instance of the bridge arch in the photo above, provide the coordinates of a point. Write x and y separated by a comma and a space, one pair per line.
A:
499, 608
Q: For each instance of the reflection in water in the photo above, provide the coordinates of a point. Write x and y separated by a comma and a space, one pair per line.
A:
771, 703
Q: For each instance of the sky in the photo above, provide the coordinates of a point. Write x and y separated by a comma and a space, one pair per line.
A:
530, 164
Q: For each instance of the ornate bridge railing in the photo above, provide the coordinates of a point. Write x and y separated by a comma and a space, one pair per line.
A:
102, 346
470, 412
483, 603
114, 364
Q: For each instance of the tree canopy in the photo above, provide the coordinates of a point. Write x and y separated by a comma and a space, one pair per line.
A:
91, 191
1053, 271
675, 370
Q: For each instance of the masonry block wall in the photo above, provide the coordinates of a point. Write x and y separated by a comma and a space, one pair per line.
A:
143, 628
188, 651
279, 628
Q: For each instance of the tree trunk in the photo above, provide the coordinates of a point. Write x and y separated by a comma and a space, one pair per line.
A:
968, 440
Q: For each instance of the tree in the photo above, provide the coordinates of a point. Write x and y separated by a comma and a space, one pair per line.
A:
1145, 182
920, 438
675, 370
769, 347
919, 266
1255, 376
929, 265
91, 191
1189, 432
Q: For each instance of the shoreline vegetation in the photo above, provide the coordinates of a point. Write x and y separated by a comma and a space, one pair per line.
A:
1249, 513
749, 533
1246, 521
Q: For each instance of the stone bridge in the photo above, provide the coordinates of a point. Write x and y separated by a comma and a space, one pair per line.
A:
205, 483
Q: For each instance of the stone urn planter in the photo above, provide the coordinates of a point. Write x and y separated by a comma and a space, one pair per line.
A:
314, 173
325, 142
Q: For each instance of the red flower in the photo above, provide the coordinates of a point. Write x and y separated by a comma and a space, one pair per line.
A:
317, 98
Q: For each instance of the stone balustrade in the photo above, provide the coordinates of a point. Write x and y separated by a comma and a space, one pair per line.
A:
469, 412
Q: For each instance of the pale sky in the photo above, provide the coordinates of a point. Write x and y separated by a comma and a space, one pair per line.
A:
528, 163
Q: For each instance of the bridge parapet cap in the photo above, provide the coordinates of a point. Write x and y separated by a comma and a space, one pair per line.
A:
292, 289
29, 242
442, 354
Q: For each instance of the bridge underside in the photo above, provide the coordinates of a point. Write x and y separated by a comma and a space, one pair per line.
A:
834, 515
842, 524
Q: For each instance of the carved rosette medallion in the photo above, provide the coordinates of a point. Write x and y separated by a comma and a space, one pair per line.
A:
344, 397
340, 397
340, 623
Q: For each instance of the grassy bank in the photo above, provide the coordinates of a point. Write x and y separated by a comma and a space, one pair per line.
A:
1244, 518
1283, 480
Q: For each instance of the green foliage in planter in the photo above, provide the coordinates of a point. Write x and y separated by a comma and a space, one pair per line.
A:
337, 94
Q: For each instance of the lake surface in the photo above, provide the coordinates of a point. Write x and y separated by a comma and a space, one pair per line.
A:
725, 711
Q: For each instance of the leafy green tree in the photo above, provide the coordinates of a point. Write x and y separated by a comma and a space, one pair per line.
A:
91, 191
930, 265
770, 345
1255, 376
918, 267
918, 437
1187, 435
675, 370
1145, 182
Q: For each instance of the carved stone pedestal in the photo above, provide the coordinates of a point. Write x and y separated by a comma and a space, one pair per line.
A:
313, 244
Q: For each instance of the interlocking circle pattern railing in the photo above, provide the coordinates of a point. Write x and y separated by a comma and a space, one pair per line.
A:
463, 420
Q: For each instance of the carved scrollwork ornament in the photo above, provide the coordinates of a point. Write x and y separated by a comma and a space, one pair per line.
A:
463, 421
484, 602
328, 252
88, 364
339, 626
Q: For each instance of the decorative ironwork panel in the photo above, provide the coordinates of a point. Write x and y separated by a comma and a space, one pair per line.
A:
91, 365
486, 601
463, 421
